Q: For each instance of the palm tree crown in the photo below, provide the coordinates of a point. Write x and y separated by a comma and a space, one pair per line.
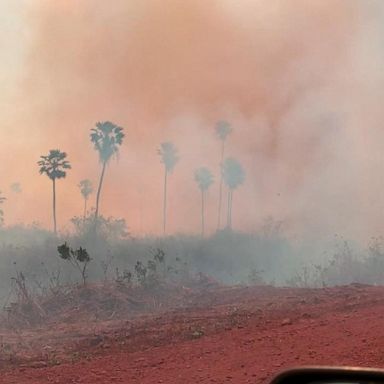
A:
223, 129
233, 173
86, 188
107, 137
16, 187
203, 178
168, 154
2, 198
54, 164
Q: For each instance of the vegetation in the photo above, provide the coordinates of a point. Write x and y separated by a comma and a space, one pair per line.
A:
109, 228
204, 180
106, 138
169, 157
78, 258
54, 165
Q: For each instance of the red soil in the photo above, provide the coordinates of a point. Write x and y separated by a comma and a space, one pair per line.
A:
224, 335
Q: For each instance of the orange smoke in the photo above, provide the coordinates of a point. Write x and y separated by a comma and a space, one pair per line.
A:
167, 70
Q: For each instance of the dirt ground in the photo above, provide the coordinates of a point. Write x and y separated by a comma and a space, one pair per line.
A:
218, 335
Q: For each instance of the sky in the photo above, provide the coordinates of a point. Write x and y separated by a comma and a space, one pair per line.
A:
300, 81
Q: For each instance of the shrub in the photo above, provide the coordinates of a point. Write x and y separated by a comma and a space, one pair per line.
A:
78, 258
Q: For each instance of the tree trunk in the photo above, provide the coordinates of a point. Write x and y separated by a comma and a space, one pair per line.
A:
85, 209
228, 209
165, 202
202, 213
54, 205
99, 191
221, 185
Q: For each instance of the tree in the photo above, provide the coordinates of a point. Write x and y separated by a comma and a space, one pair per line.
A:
106, 138
223, 129
234, 176
54, 165
169, 157
204, 180
86, 189
2, 199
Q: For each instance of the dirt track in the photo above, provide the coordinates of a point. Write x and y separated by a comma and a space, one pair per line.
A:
225, 335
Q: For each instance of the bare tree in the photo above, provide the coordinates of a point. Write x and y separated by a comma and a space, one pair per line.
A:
204, 179
169, 157
223, 129
54, 165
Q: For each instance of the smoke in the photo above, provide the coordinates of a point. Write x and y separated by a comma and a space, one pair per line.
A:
299, 81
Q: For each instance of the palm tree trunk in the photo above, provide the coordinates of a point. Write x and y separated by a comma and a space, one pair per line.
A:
165, 202
99, 190
85, 209
228, 208
202, 213
54, 205
221, 185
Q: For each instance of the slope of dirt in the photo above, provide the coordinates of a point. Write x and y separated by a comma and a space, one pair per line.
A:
218, 335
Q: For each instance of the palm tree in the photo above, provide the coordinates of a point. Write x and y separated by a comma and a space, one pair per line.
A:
106, 137
204, 180
16, 187
54, 166
169, 157
233, 175
2, 199
223, 129
86, 188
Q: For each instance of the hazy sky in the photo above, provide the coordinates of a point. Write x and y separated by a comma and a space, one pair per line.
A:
301, 82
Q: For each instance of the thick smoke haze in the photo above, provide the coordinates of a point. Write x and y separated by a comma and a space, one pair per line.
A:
300, 81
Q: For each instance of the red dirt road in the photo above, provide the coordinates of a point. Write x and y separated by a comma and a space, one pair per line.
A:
233, 335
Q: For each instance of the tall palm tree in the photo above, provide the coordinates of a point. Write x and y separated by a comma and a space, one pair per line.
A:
204, 180
233, 175
86, 188
169, 157
223, 129
54, 165
2, 199
106, 138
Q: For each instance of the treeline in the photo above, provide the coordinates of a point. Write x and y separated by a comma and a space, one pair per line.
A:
107, 139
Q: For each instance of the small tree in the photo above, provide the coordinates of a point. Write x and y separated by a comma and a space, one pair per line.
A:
169, 157
86, 189
234, 176
54, 166
106, 138
2, 199
222, 129
78, 258
204, 180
